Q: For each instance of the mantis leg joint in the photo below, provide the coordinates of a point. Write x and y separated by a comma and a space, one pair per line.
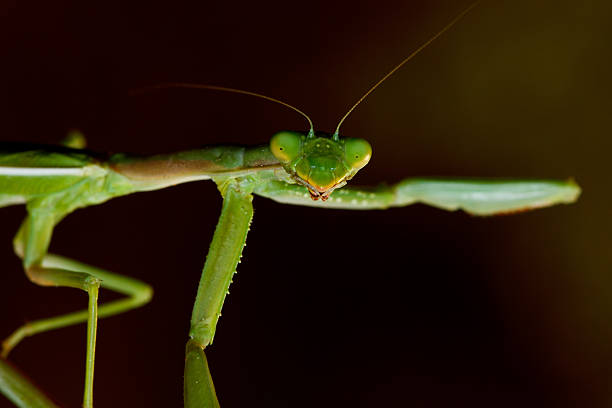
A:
10, 342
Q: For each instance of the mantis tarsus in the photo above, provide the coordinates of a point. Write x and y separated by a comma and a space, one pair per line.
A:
295, 169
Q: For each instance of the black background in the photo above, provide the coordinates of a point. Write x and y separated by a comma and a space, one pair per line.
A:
405, 307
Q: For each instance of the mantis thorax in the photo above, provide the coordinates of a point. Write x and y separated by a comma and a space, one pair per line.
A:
320, 162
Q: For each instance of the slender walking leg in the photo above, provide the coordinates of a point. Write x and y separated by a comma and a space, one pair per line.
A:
31, 244
36, 234
19, 390
139, 294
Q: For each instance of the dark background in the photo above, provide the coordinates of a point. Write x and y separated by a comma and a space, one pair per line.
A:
405, 307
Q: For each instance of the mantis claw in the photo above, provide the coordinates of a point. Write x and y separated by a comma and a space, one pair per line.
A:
199, 390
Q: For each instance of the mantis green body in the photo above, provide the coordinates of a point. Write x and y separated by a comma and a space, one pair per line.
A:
54, 181
294, 168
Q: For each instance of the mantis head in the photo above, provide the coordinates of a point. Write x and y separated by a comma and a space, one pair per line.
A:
324, 163
321, 163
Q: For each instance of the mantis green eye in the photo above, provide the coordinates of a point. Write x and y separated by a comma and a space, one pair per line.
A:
286, 146
357, 153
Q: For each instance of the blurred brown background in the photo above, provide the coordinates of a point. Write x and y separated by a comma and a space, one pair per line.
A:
409, 307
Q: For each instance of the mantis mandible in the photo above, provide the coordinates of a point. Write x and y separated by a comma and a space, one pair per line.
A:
309, 168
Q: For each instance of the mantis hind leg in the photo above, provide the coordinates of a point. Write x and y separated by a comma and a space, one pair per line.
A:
19, 390
34, 237
139, 294
31, 244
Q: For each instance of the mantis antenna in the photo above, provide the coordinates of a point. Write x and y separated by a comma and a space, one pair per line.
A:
225, 89
398, 66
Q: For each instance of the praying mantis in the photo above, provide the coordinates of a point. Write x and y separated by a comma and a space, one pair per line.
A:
295, 168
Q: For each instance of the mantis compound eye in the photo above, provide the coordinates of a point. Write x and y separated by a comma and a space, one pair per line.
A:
286, 146
357, 153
